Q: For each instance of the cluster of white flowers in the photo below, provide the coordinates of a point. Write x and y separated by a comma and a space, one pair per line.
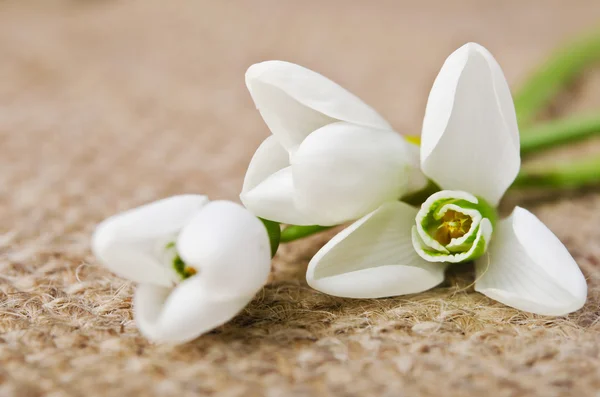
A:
332, 159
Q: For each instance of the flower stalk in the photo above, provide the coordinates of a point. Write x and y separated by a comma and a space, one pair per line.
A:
294, 232
575, 174
559, 132
560, 70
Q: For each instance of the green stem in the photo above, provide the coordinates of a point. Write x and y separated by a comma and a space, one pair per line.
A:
553, 76
294, 232
554, 133
274, 233
573, 174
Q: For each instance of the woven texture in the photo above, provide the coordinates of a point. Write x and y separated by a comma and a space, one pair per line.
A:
105, 105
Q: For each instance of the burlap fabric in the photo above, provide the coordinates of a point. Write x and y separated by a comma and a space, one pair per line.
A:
105, 105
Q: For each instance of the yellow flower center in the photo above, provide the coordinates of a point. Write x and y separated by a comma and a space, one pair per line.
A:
189, 271
454, 225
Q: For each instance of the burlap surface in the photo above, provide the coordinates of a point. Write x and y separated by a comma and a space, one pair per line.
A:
105, 105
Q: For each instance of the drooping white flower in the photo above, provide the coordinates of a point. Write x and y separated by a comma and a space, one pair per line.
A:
331, 157
197, 263
470, 148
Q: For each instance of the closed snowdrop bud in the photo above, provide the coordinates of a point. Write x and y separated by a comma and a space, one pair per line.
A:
197, 263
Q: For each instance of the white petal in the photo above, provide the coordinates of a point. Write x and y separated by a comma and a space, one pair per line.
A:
267, 192
229, 247
275, 199
269, 158
416, 180
470, 139
343, 171
530, 269
374, 258
132, 243
295, 101
182, 314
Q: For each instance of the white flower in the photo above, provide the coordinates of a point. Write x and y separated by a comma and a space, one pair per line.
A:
197, 263
331, 157
470, 148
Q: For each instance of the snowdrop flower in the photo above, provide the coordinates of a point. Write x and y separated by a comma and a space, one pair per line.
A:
470, 148
331, 157
197, 263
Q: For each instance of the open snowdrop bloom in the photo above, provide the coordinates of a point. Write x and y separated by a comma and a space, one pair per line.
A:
330, 158
470, 148
197, 263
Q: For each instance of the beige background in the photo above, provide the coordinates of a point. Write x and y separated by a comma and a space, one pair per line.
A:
105, 105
